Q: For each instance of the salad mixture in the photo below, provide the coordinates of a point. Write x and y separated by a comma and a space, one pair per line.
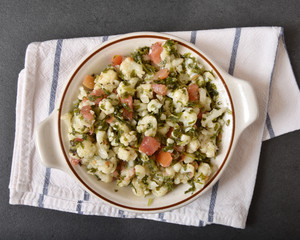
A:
150, 121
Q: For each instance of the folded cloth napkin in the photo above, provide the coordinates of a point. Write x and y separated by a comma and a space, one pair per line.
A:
257, 55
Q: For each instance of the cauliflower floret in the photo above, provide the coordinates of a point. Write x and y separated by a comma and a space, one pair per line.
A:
188, 117
125, 89
193, 146
141, 108
205, 100
163, 130
148, 126
180, 98
208, 76
209, 149
140, 171
107, 80
86, 149
207, 118
144, 92
102, 145
106, 106
80, 124
129, 66
177, 167
154, 105
161, 191
107, 166
184, 140
189, 168
127, 154
128, 138
82, 93
139, 188
107, 178
125, 177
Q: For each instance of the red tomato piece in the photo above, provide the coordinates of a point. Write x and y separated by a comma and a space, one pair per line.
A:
127, 113
75, 161
117, 60
161, 74
193, 91
88, 82
110, 119
149, 145
156, 50
99, 94
164, 158
78, 140
85, 111
159, 89
169, 133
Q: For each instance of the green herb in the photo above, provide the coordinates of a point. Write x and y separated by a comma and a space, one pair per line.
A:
150, 200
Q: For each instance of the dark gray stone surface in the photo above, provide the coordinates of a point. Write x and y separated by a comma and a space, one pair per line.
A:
274, 211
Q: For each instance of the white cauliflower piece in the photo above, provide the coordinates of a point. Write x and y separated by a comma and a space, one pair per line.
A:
193, 146
125, 89
141, 108
204, 99
129, 66
86, 149
107, 80
102, 144
127, 154
154, 105
128, 138
180, 98
184, 140
207, 118
188, 117
144, 92
160, 191
147, 125
106, 106
140, 171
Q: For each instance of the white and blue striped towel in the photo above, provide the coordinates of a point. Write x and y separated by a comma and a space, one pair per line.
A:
257, 55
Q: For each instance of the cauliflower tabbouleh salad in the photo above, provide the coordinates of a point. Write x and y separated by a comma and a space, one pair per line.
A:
150, 121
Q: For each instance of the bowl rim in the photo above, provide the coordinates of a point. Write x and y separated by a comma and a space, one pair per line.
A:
194, 49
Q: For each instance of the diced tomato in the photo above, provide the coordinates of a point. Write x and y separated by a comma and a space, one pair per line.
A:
179, 148
193, 91
75, 161
85, 111
199, 116
169, 133
164, 158
99, 94
161, 74
78, 140
128, 101
159, 89
156, 50
110, 119
117, 60
149, 145
127, 113
89, 81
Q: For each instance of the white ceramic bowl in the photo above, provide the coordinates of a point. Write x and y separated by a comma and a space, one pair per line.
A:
53, 144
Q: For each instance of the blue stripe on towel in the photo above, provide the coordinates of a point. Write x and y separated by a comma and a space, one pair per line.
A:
234, 50
104, 38
161, 217
269, 126
230, 71
212, 204
201, 223
78, 207
51, 107
121, 214
193, 37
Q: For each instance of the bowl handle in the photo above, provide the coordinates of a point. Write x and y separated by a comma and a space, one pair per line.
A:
46, 139
245, 103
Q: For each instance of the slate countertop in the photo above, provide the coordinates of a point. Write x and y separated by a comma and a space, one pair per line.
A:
274, 211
